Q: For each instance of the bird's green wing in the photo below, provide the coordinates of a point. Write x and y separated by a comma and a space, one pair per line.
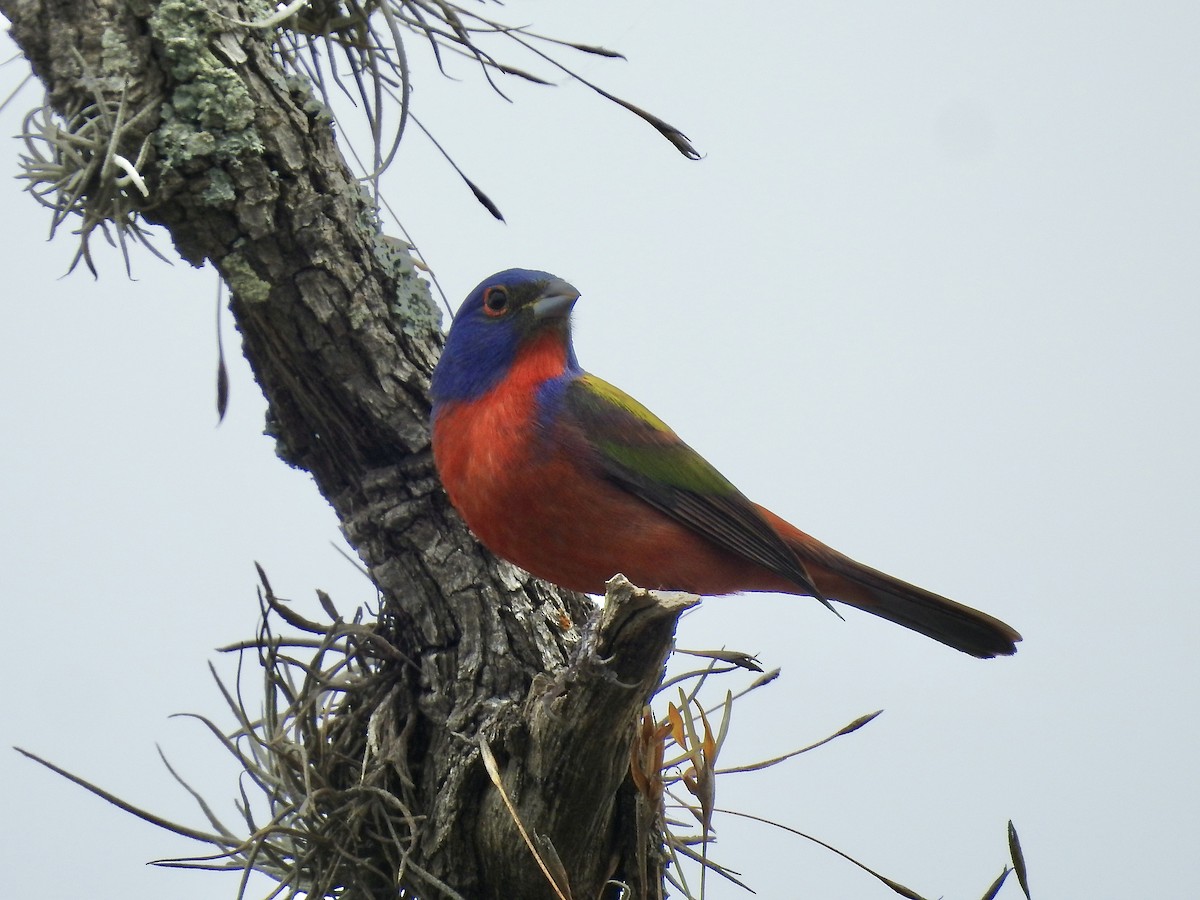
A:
639, 452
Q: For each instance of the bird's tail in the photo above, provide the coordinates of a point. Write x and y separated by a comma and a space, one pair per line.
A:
840, 578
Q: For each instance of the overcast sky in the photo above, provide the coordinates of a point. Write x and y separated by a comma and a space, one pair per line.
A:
931, 294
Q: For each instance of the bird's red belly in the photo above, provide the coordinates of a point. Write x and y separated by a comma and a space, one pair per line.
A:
548, 514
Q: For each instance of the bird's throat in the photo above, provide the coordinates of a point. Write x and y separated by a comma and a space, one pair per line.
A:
540, 359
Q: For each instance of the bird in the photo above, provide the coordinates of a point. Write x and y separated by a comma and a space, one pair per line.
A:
573, 480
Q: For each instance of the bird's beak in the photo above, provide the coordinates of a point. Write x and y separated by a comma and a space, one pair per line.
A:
556, 301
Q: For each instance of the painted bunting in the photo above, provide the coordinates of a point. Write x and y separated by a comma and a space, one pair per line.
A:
574, 481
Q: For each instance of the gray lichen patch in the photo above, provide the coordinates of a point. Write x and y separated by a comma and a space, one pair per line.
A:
413, 304
117, 64
220, 191
243, 280
210, 114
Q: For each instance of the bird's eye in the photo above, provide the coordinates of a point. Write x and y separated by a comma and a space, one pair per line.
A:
495, 301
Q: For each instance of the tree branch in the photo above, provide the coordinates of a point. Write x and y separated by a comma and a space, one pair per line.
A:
243, 172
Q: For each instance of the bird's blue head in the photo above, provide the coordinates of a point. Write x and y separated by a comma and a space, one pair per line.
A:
497, 319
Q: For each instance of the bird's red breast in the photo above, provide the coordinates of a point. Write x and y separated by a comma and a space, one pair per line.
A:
530, 493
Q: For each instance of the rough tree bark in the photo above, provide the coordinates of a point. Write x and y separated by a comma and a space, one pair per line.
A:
244, 173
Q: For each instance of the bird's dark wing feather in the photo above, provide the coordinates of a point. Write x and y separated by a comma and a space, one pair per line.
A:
638, 451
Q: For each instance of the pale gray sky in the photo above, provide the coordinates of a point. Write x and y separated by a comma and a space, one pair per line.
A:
931, 295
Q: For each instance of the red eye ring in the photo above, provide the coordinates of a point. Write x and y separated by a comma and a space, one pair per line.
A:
495, 300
